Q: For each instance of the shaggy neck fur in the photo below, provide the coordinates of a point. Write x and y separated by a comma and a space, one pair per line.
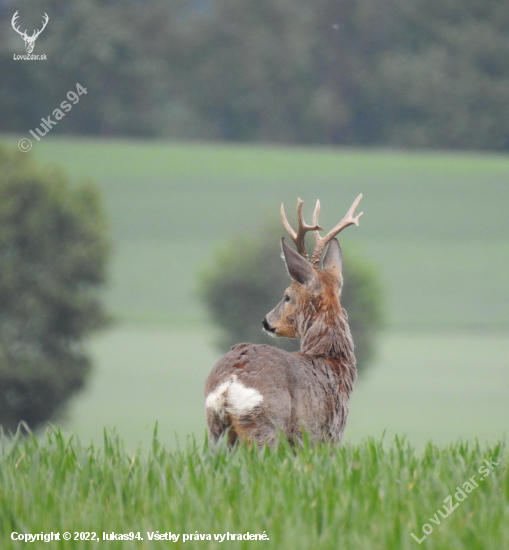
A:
328, 337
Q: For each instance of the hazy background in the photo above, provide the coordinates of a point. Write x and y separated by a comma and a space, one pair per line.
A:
200, 118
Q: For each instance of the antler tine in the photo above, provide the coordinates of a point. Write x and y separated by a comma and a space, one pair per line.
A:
349, 219
298, 237
288, 227
316, 212
13, 23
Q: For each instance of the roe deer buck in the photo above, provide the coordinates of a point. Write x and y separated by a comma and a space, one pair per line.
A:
256, 390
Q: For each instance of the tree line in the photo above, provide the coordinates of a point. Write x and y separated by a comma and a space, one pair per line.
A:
398, 73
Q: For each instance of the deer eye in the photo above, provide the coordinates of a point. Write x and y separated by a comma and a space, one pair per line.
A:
286, 298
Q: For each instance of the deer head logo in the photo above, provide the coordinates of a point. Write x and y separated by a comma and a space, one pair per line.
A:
29, 40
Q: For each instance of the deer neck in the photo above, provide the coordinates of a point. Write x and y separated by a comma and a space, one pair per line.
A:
328, 337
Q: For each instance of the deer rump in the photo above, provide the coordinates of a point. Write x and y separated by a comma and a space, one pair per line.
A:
256, 390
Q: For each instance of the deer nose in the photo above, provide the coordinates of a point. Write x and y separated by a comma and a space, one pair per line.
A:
266, 326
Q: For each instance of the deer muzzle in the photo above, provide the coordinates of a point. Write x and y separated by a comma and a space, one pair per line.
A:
267, 327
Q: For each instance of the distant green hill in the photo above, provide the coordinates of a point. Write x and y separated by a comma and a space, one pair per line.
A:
435, 223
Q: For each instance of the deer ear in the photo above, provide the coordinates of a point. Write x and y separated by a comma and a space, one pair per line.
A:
333, 259
299, 268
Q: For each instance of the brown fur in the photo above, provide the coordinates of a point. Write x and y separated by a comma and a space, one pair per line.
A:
266, 389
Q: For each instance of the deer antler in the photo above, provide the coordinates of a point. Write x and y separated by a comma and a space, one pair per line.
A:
320, 242
13, 23
36, 33
45, 20
298, 238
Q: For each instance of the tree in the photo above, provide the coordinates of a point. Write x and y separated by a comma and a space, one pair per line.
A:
247, 277
53, 255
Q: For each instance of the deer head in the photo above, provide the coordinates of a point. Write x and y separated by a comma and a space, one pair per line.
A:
29, 40
314, 293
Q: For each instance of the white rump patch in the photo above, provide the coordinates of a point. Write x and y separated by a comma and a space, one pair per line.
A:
242, 399
233, 397
215, 399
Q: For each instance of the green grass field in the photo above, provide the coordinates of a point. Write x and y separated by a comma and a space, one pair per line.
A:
358, 497
435, 225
